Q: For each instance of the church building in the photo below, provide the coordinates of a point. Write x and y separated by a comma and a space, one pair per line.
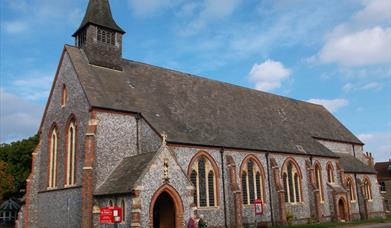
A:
163, 145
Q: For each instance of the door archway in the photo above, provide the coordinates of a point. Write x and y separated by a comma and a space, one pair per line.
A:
342, 210
166, 209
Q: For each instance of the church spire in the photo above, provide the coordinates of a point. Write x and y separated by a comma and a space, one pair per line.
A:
99, 13
99, 36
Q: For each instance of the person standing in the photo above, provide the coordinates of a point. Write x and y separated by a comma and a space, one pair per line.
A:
201, 222
192, 222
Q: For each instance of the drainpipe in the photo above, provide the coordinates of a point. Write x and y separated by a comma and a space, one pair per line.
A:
223, 180
270, 190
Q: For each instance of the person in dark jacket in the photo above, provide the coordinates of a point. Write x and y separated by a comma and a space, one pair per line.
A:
201, 222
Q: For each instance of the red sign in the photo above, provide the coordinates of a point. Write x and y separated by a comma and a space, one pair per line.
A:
258, 207
109, 215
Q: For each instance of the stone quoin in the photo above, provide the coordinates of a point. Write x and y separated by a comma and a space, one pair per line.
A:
162, 145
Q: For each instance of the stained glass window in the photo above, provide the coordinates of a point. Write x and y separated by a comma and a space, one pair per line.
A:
203, 177
211, 189
193, 178
244, 188
292, 182
285, 180
202, 184
259, 185
252, 181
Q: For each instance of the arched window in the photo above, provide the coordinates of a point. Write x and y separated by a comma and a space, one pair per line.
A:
252, 180
71, 154
110, 203
367, 189
203, 176
330, 173
105, 36
64, 95
350, 186
319, 183
53, 141
123, 209
291, 178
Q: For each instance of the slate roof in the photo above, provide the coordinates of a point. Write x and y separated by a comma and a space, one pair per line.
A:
351, 164
200, 111
99, 13
129, 169
383, 170
336, 187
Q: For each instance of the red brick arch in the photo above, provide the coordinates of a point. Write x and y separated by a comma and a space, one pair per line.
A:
294, 163
209, 157
179, 210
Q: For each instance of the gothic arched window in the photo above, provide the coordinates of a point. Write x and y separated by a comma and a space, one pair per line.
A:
352, 191
291, 178
203, 175
367, 188
330, 173
252, 180
319, 182
71, 154
105, 36
53, 146
64, 95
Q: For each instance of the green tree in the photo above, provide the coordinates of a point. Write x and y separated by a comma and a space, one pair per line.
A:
15, 166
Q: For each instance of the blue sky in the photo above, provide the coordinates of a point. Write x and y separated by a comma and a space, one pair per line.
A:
336, 53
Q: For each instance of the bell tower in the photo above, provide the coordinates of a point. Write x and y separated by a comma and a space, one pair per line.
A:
99, 36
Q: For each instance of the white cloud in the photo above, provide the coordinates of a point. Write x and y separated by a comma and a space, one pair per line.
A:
332, 105
38, 13
268, 75
348, 87
148, 7
33, 87
371, 85
210, 10
218, 8
366, 47
15, 26
374, 11
18, 118
379, 143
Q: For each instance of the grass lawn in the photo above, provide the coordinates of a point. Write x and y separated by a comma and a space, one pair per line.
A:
341, 224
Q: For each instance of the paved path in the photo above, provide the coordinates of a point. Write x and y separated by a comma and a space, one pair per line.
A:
378, 225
